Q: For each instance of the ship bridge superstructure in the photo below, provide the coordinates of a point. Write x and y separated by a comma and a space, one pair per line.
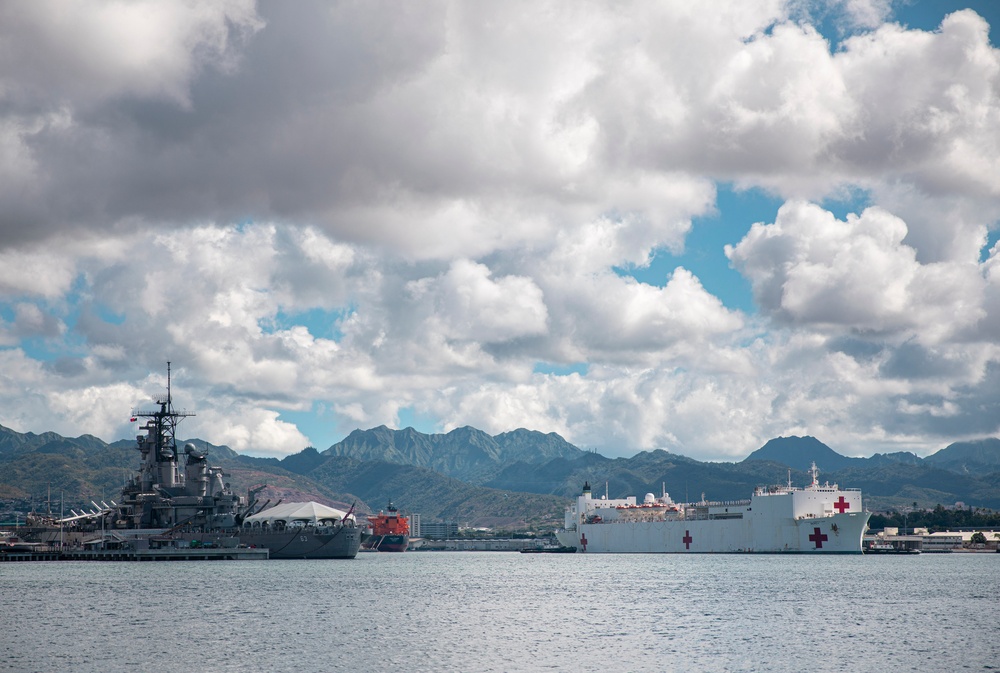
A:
813, 500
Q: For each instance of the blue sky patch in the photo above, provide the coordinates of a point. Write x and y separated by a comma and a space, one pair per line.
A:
411, 418
580, 368
991, 240
321, 323
928, 14
318, 427
109, 315
704, 248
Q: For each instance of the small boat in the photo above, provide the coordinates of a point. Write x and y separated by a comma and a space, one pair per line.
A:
888, 548
12, 542
562, 549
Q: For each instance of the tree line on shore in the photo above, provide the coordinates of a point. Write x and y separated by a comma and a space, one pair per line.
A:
937, 519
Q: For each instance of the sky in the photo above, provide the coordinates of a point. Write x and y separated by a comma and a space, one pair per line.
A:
649, 225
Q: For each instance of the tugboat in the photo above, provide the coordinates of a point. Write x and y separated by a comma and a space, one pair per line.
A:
390, 532
882, 547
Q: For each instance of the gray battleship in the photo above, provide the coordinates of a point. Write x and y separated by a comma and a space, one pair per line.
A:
167, 504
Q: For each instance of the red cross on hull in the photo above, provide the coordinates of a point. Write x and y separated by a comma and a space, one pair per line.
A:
818, 537
583, 541
687, 539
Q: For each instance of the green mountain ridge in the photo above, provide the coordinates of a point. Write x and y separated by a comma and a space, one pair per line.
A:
521, 476
968, 457
465, 453
799, 453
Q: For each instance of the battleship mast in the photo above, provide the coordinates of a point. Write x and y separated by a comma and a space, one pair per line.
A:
160, 454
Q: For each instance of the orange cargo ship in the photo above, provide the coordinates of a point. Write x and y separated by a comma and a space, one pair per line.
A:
390, 531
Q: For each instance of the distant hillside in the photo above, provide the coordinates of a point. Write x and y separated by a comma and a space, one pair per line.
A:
558, 476
304, 462
531, 446
464, 453
904, 457
437, 497
521, 476
683, 478
962, 472
85, 469
887, 481
13, 443
894, 486
976, 457
799, 453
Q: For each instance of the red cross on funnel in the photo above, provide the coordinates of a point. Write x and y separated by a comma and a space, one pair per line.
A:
841, 505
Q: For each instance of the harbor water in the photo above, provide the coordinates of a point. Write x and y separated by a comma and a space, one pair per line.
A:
496, 611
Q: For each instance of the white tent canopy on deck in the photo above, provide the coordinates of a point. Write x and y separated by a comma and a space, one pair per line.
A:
297, 513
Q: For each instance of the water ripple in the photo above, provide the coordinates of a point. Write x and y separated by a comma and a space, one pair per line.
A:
504, 612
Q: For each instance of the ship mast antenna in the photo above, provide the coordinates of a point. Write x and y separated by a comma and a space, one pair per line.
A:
164, 422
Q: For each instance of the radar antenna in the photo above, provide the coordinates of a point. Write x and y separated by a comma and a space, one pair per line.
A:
163, 423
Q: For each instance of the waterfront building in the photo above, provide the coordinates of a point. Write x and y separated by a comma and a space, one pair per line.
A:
438, 530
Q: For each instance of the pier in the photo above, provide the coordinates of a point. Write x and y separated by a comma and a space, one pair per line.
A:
172, 554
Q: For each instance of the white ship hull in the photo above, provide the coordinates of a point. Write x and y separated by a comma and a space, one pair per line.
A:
838, 534
817, 519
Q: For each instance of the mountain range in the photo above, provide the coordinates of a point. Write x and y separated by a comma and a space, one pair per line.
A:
515, 479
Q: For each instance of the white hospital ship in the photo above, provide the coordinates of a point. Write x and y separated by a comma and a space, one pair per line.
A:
816, 519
